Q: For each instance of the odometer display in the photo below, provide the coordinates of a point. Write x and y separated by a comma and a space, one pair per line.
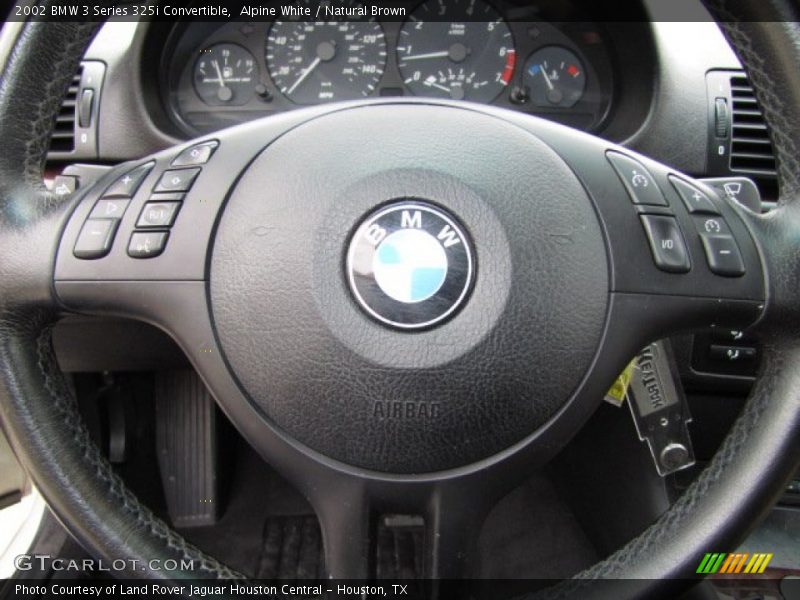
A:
317, 62
466, 53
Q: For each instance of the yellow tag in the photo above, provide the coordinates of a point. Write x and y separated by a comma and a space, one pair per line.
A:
619, 390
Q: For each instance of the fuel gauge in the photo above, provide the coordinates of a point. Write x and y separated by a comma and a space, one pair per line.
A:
225, 74
555, 77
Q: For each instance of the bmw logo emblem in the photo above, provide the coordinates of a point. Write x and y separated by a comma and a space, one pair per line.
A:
410, 265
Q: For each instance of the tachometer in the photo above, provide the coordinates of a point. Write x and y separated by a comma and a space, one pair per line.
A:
460, 49
225, 74
318, 62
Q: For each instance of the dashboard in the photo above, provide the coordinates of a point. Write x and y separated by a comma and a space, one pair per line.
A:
507, 54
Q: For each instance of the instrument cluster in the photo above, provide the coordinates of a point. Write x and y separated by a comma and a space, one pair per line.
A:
220, 74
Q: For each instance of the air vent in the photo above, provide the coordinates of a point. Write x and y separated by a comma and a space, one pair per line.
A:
751, 148
63, 139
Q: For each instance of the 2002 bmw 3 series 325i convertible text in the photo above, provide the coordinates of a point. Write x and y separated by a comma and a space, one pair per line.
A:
422, 298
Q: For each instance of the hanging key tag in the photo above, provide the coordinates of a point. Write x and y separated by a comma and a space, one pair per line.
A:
618, 392
659, 408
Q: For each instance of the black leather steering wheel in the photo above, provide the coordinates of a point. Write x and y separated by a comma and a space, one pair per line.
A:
258, 284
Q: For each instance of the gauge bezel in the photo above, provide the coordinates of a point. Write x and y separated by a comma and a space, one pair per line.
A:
525, 75
371, 86
201, 57
501, 20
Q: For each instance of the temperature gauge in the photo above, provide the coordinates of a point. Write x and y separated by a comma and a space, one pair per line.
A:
555, 77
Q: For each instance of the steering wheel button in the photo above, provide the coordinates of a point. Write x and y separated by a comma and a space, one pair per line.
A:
177, 180
667, 244
147, 244
95, 238
693, 198
158, 214
196, 155
711, 225
638, 181
126, 186
723, 255
167, 197
64, 185
109, 209
732, 354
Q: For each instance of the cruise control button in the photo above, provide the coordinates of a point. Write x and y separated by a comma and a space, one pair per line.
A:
109, 209
666, 242
126, 186
711, 226
147, 244
196, 155
95, 238
158, 214
693, 198
723, 255
177, 180
638, 181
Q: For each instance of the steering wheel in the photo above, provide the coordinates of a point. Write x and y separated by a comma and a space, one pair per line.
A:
396, 315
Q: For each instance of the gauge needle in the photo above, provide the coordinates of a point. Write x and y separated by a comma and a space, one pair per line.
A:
431, 83
305, 74
442, 54
219, 73
546, 78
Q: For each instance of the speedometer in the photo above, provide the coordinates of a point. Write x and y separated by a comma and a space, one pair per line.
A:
316, 62
459, 49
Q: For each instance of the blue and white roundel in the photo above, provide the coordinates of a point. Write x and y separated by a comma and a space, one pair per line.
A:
410, 265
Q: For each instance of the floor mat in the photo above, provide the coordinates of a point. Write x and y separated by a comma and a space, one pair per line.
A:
291, 549
266, 528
